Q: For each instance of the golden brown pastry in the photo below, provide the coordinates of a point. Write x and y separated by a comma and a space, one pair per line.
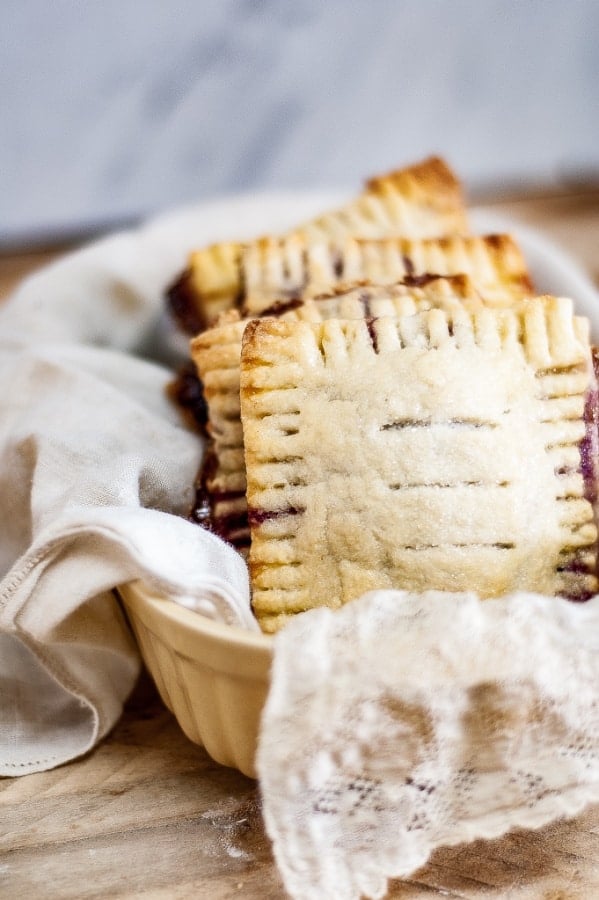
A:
216, 354
423, 200
279, 273
438, 450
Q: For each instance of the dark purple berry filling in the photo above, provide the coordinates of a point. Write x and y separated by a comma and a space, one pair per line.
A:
181, 303
258, 516
187, 393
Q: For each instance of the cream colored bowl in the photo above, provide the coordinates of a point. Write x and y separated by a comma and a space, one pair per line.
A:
213, 677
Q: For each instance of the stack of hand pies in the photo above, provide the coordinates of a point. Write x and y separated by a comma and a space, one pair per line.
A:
390, 405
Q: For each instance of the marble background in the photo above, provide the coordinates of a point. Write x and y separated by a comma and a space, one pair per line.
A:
113, 109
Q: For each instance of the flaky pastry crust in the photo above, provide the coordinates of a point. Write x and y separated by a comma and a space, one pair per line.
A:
439, 450
216, 353
282, 272
423, 200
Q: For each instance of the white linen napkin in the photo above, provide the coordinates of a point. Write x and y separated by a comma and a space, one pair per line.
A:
397, 724
96, 469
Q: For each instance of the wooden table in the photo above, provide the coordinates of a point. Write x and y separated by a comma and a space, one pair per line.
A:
149, 815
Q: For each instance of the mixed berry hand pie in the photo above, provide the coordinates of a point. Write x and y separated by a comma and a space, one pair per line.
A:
281, 273
452, 450
276, 274
221, 502
424, 200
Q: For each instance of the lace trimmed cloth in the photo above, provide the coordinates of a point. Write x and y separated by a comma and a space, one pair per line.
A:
405, 722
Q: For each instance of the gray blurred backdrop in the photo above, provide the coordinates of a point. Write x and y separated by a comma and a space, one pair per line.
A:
113, 109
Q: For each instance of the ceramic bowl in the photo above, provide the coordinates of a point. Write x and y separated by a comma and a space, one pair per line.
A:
214, 678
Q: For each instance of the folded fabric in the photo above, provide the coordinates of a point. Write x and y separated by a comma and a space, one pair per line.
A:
96, 474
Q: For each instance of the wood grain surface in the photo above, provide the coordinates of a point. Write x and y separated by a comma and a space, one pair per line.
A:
148, 815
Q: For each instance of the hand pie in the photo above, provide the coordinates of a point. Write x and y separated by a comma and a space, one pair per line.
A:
424, 200
278, 273
443, 450
221, 501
